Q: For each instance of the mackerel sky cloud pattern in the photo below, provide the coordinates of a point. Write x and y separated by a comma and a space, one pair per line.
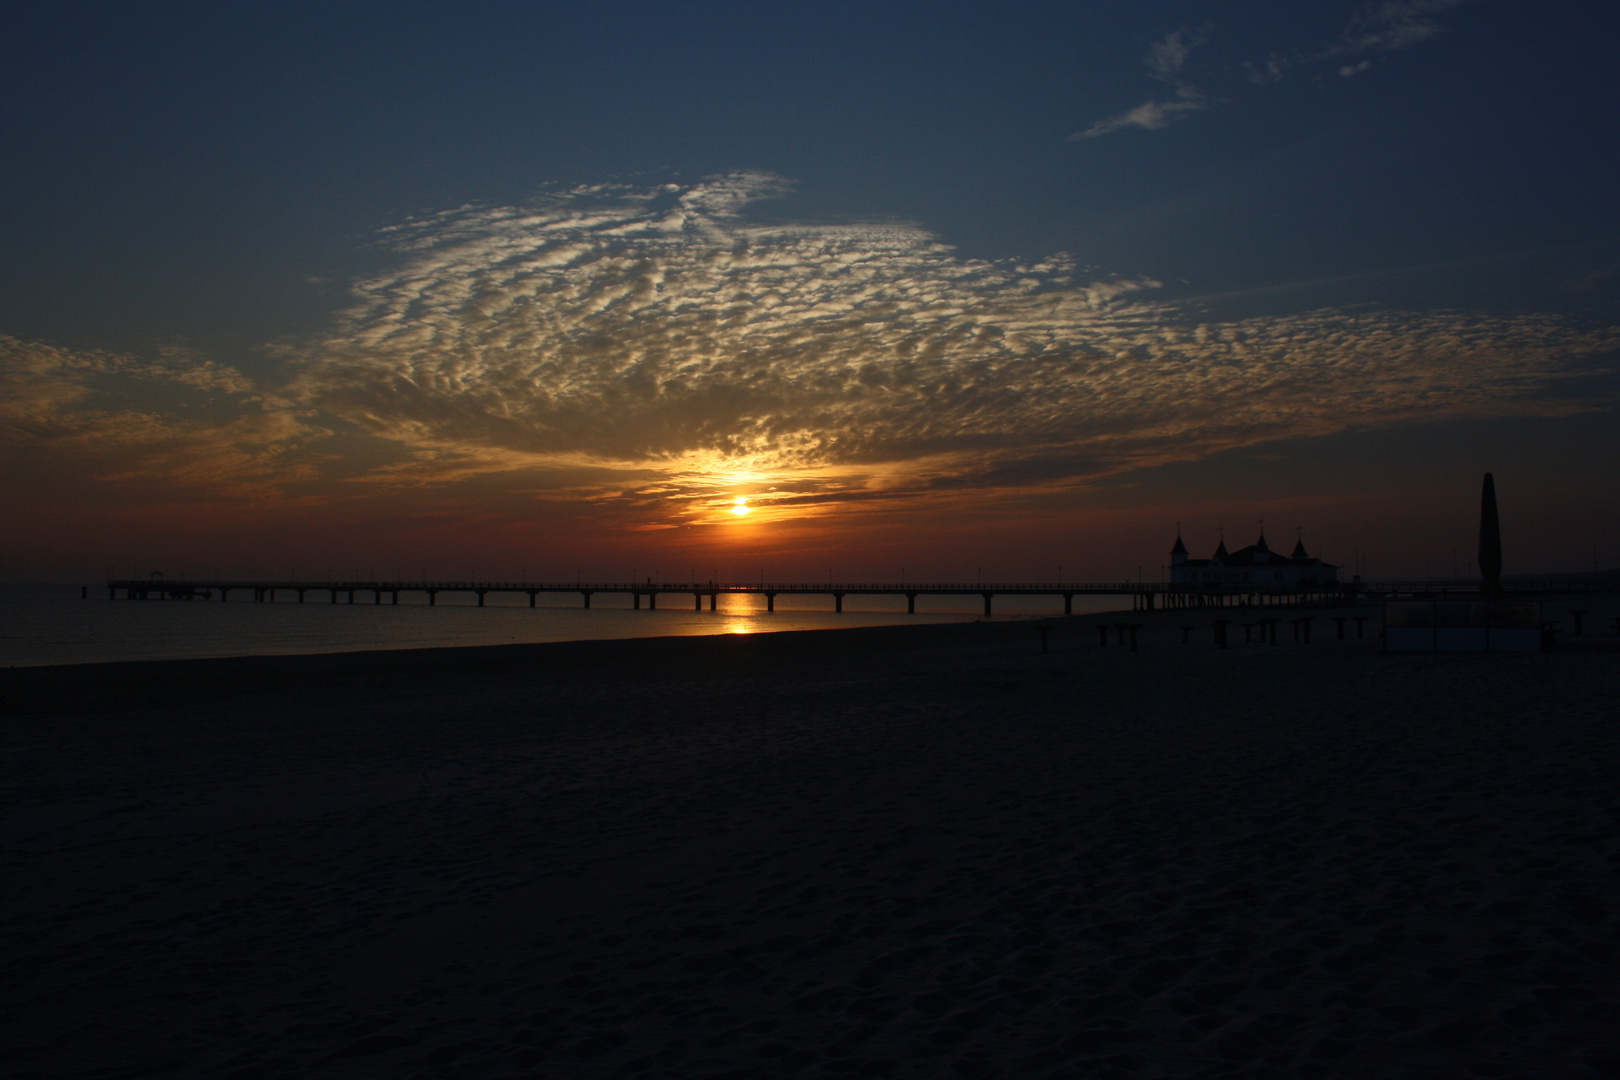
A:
659, 328
656, 348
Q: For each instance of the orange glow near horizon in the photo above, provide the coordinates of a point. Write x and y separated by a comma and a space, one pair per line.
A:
740, 506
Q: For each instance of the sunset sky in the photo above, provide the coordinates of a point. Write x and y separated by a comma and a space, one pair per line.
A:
956, 288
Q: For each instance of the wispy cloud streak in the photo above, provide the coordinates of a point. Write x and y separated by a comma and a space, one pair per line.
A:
1378, 28
1165, 59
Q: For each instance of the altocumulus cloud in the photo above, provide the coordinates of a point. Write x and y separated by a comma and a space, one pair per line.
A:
659, 350
177, 424
659, 328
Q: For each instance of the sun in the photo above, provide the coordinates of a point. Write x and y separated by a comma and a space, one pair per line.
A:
740, 506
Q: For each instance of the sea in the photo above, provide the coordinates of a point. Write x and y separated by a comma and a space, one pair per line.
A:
52, 624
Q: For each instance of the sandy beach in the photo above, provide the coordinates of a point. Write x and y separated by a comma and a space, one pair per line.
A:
922, 851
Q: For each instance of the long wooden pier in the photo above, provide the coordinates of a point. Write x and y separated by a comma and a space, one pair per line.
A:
1146, 596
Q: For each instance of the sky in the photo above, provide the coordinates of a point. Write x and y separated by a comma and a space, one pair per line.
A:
940, 290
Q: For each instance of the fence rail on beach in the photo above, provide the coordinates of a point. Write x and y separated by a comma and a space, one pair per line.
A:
1146, 596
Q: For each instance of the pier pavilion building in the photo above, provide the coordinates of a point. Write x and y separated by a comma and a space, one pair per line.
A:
1256, 566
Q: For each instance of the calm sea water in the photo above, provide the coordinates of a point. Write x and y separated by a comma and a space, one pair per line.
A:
50, 624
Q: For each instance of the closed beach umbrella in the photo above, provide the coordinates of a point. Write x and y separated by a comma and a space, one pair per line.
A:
1490, 543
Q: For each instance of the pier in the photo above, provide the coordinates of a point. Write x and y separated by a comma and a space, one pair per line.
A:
1145, 596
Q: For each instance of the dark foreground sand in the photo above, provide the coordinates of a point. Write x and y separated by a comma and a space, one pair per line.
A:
929, 851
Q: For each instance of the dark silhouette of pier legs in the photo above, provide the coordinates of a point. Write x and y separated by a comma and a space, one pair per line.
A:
1068, 603
652, 601
480, 597
697, 601
433, 597
714, 601
911, 603
587, 597
987, 604
532, 595
770, 601
838, 602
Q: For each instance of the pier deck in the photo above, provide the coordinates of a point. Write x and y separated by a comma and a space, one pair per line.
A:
1146, 596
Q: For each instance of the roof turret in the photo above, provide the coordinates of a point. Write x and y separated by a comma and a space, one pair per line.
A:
1180, 548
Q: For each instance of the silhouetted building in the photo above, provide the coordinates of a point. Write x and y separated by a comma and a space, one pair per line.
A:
1256, 566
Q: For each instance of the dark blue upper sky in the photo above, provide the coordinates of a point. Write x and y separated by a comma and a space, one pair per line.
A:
183, 170
1366, 213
